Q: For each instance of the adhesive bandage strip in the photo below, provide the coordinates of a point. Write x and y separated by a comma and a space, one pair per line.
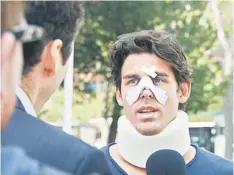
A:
150, 71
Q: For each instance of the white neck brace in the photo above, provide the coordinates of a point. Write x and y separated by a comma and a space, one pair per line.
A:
136, 148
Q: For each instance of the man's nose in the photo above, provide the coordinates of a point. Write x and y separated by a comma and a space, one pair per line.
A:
146, 93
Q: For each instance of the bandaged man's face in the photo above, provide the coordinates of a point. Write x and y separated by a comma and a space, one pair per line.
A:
149, 93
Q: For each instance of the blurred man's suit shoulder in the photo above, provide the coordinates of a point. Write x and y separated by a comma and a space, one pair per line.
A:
50, 145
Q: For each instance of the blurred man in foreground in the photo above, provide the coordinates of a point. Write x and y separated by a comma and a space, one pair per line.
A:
43, 74
14, 161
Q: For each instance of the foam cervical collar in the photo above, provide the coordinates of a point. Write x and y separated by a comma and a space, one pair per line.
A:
136, 148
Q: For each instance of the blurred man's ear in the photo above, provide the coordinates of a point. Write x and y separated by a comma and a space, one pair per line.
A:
51, 57
184, 91
119, 97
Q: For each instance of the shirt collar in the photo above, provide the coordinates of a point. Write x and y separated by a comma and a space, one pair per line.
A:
26, 102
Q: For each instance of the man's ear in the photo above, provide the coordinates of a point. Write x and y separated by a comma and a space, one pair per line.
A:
184, 91
119, 97
52, 56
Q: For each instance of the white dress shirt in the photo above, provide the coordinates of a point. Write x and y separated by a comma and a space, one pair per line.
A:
26, 102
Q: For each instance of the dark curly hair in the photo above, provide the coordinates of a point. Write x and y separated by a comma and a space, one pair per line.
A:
162, 44
60, 19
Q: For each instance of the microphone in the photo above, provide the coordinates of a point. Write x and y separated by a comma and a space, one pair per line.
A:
165, 162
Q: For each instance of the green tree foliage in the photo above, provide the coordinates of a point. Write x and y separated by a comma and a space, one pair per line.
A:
104, 21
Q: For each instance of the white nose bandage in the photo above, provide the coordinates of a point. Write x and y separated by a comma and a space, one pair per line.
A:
146, 83
150, 71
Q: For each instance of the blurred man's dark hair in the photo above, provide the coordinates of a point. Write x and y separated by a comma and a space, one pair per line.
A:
60, 20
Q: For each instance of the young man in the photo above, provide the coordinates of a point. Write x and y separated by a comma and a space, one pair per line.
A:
43, 73
152, 81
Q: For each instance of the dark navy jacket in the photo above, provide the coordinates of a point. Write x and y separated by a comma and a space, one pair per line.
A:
52, 146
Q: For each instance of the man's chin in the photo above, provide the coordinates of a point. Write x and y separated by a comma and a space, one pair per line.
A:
148, 129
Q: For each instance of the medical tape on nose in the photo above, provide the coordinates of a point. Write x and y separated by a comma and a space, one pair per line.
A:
150, 71
146, 83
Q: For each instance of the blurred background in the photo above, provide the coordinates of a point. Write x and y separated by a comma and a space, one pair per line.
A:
204, 29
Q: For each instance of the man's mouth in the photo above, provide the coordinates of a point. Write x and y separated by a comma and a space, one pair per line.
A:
146, 109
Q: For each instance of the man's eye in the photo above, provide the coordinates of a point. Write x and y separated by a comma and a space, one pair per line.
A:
157, 80
133, 82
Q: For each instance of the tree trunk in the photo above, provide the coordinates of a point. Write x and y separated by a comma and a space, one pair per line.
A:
228, 130
228, 99
115, 117
105, 114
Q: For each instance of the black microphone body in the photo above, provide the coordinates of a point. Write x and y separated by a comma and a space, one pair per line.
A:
166, 162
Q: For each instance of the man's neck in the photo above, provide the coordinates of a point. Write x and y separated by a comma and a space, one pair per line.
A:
191, 153
131, 169
126, 166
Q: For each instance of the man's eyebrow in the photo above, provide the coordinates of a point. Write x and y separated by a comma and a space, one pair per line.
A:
130, 76
161, 74
133, 75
